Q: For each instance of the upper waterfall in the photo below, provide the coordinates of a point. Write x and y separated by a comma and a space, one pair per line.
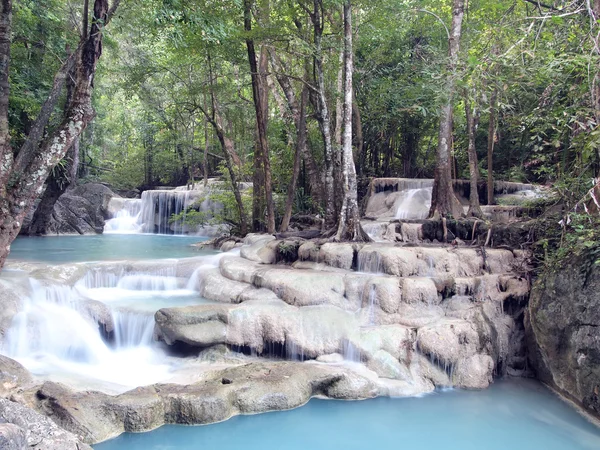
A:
154, 212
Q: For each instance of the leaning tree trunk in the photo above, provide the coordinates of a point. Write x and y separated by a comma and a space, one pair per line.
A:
443, 201
22, 180
59, 180
348, 226
472, 116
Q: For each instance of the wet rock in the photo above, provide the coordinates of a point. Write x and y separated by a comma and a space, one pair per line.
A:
81, 210
12, 437
40, 432
260, 248
12, 376
448, 340
564, 330
474, 372
243, 389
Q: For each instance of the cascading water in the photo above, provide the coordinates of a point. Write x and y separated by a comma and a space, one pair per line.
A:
154, 212
57, 333
413, 203
127, 218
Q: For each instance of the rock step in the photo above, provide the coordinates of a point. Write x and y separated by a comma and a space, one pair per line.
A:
237, 278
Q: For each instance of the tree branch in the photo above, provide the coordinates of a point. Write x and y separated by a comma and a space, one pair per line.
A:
542, 5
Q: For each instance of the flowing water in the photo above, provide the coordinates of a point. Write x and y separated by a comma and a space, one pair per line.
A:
155, 211
515, 415
57, 335
67, 249
413, 203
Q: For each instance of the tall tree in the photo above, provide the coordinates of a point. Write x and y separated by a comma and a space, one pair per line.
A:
348, 226
444, 201
22, 177
260, 94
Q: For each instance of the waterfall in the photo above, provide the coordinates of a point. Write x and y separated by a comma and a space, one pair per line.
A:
39, 332
154, 212
126, 216
133, 329
159, 206
413, 203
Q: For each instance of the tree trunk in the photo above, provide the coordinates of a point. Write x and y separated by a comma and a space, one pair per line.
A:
214, 118
260, 94
348, 226
6, 152
358, 137
56, 185
490, 148
17, 197
472, 116
300, 145
444, 201
323, 114
338, 177
59, 180
205, 157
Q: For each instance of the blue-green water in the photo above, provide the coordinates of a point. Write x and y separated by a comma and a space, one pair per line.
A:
511, 415
65, 249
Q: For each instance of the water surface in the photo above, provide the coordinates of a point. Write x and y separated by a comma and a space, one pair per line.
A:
510, 415
65, 249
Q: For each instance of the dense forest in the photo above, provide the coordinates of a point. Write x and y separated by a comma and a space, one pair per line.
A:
307, 100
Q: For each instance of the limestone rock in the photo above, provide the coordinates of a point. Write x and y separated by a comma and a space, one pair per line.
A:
448, 341
474, 372
12, 375
12, 437
40, 432
260, 248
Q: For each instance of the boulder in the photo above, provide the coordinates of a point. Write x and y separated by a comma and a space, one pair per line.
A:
81, 210
448, 341
474, 372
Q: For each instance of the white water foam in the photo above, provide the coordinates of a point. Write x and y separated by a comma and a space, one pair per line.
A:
413, 203
56, 335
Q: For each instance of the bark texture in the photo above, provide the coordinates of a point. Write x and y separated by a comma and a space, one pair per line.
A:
490, 149
444, 202
262, 165
472, 116
323, 115
348, 227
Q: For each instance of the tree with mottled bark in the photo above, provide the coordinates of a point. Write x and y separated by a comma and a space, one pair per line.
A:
23, 173
444, 202
348, 225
